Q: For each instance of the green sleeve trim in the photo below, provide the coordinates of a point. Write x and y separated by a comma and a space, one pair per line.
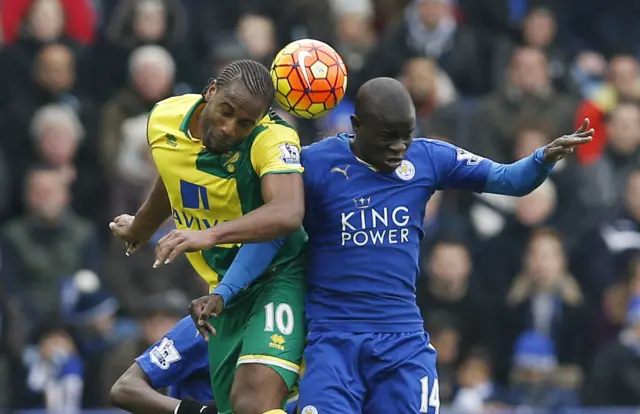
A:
282, 172
149, 120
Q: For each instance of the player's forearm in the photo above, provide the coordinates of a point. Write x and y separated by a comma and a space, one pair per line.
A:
269, 222
155, 210
519, 178
133, 394
250, 262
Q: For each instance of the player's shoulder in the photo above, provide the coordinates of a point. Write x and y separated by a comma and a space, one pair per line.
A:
175, 108
326, 149
273, 129
169, 118
429, 144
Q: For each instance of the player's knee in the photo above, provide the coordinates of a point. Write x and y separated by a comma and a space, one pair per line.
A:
257, 389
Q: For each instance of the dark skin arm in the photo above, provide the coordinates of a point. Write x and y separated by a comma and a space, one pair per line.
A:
280, 216
133, 393
137, 230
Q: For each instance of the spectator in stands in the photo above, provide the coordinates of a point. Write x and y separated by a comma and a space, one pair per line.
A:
91, 313
433, 95
42, 246
152, 71
136, 23
41, 17
623, 86
258, 35
57, 135
615, 375
449, 287
429, 30
355, 32
604, 255
55, 370
445, 338
528, 93
608, 175
539, 31
545, 298
54, 79
39, 22
500, 259
588, 73
475, 384
533, 376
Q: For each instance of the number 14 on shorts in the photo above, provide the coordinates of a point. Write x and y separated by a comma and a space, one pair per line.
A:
429, 399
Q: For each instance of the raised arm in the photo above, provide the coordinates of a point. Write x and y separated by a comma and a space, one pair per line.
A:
457, 168
522, 177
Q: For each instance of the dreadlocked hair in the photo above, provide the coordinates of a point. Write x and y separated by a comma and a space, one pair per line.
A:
254, 76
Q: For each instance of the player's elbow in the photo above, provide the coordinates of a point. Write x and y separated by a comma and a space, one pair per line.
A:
118, 393
123, 391
289, 217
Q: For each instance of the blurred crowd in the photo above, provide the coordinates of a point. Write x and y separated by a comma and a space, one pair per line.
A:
532, 301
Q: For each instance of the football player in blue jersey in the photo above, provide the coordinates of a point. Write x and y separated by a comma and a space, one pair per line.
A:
365, 195
178, 361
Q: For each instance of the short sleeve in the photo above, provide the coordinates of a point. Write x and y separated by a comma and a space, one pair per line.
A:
276, 150
457, 168
175, 357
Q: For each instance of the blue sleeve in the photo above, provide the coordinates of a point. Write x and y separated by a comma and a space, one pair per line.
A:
176, 356
520, 178
250, 262
456, 168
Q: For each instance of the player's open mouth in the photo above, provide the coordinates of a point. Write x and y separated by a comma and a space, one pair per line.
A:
394, 161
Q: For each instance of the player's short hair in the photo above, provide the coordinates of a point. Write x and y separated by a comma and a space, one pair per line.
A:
153, 54
56, 114
254, 76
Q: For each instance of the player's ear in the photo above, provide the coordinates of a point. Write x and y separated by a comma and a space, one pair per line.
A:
355, 123
211, 89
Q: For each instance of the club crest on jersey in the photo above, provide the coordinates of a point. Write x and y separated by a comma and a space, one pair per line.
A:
290, 154
406, 170
309, 409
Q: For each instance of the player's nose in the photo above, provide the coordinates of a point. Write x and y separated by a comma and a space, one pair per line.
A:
398, 146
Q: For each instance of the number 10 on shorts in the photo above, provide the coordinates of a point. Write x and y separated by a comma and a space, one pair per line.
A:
429, 399
279, 317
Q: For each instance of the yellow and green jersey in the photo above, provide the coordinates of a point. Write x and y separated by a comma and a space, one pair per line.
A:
207, 189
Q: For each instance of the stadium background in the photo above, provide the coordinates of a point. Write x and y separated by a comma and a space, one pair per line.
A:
530, 302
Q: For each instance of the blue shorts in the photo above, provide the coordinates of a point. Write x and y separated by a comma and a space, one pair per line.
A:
369, 373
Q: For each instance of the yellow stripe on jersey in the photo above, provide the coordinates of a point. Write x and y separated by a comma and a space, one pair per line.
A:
269, 360
206, 189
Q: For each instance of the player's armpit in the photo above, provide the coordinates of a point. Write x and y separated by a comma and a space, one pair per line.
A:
281, 215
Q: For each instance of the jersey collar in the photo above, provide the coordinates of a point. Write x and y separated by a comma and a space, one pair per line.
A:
184, 125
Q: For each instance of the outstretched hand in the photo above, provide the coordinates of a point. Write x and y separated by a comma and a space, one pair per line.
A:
565, 145
203, 309
180, 241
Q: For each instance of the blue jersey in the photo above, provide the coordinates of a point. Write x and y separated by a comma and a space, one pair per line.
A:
365, 229
179, 361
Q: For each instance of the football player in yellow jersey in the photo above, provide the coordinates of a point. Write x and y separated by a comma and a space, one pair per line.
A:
230, 168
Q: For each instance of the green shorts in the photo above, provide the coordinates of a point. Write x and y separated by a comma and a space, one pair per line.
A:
263, 325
